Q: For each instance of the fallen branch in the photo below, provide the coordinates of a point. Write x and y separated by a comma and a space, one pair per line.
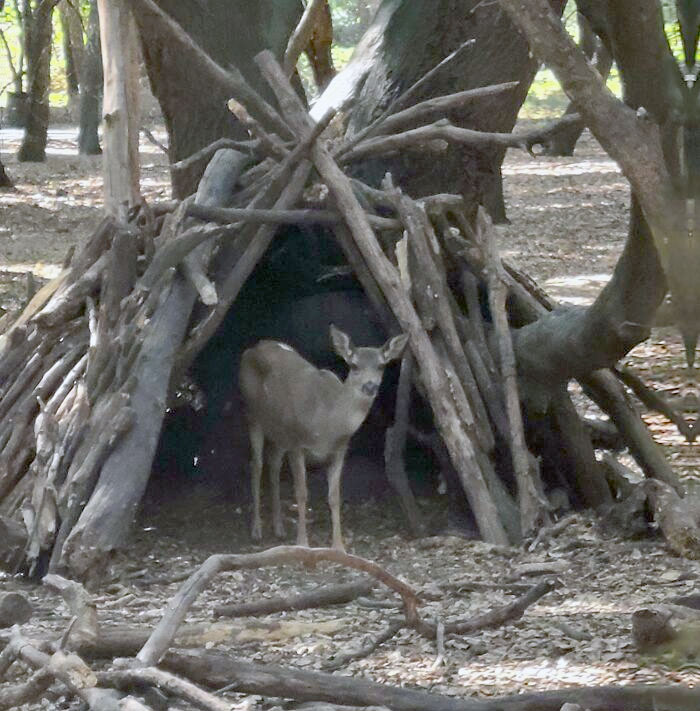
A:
217, 670
166, 629
320, 597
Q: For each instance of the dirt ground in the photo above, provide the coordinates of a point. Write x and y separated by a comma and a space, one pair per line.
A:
567, 226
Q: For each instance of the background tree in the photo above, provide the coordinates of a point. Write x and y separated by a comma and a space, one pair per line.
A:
36, 18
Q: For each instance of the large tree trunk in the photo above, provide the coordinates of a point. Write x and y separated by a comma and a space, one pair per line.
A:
255, 25
405, 41
91, 87
38, 52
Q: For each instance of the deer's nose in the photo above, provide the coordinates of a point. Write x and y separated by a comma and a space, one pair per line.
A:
370, 388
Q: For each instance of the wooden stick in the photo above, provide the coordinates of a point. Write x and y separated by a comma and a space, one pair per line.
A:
302, 34
228, 215
441, 130
533, 506
437, 106
320, 597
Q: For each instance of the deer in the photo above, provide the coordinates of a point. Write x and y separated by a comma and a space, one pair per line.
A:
307, 414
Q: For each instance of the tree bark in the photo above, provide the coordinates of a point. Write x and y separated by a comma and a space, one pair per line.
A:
120, 107
91, 87
38, 29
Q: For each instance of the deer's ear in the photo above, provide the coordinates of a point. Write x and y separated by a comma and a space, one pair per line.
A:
342, 345
393, 348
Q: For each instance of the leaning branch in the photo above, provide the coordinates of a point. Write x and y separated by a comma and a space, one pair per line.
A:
441, 130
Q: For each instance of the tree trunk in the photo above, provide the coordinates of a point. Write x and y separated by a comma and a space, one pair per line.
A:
121, 107
38, 52
73, 51
91, 87
5, 181
413, 38
256, 25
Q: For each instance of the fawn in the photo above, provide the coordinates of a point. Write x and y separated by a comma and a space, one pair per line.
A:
305, 412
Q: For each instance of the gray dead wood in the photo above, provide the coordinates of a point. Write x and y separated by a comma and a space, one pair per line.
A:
675, 517
137, 679
216, 670
441, 132
216, 188
387, 276
282, 217
103, 524
655, 402
70, 670
320, 597
533, 506
395, 445
432, 108
31, 690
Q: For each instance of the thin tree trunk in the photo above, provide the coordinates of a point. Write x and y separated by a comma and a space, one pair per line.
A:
91, 87
38, 36
121, 107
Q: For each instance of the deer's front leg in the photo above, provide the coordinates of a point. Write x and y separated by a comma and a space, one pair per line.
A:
335, 471
257, 442
298, 466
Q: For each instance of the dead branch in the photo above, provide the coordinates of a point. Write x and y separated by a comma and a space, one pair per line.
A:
403, 99
301, 36
422, 137
656, 402
166, 629
208, 151
217, 670
320, 597
269, 143
533, 506
395, 444
429, 109
281, 217
125, 679
69, 669
676, 517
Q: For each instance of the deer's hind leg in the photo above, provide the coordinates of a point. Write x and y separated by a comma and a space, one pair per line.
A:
257, 443
275, 464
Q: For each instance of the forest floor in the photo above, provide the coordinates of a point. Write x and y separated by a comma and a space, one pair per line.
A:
567, 226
